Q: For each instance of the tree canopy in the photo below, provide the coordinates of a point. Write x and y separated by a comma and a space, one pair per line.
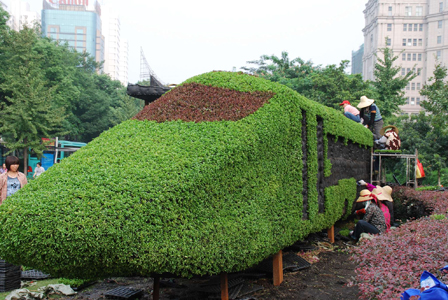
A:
389, 84
47, 89
328, 85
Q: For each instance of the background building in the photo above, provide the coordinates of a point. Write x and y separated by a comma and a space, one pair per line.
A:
21, 15
77, 22
416, 27
116, 48
357, 60
124, 62
111, 32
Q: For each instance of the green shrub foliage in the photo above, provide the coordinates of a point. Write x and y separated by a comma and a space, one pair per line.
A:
187, 198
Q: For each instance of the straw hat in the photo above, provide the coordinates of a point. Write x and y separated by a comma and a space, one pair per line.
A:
379, 193
365, 102
364, 195
383, 130
388, 193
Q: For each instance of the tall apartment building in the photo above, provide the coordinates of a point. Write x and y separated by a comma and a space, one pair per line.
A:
357, 60
116, 48
416, 27
77, 22
124, 62
21, 15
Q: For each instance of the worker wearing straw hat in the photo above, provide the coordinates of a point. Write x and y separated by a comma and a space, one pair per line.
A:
389, 202
373, 221
390, 138
384, 195
371, 115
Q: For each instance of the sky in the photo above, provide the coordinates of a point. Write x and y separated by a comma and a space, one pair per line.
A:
181, 39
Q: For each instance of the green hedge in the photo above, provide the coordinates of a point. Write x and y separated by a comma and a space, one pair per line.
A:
180, 197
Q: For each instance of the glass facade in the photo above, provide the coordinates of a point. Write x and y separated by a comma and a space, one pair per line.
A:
80, 29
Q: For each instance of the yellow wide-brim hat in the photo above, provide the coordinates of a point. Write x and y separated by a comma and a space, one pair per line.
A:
364, 195
365, 102
388, 193
379, 193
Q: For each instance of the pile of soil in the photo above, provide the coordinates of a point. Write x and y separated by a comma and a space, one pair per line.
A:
325, 279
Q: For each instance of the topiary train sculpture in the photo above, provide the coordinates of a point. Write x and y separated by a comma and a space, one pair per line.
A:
214, 176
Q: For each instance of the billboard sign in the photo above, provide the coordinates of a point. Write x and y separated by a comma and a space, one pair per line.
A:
69, 2
88, 4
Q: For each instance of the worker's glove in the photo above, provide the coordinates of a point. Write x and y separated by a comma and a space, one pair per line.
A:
361, 182
360, 212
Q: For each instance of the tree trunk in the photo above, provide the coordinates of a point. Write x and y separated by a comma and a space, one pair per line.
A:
438, 178
25, 161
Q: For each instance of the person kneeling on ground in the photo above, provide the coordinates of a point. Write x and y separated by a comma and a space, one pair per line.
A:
350, 111
373, 221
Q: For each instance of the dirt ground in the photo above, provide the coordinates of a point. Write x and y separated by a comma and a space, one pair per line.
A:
324, 279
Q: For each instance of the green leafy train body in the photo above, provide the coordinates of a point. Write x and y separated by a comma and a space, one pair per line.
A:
186, 197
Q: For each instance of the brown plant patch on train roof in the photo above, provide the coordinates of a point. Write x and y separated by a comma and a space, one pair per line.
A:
195, 102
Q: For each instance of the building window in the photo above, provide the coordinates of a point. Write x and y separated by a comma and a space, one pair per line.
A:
409, 56
408, 70
388, 42
418, 100
439, 24
403, 56
415, 27
420, 42
420, 27
419, 70
403, 71
440, 6
389, 10
419, 11
413, 86
439, 39
418, 86
407, 100
409, 42
389, 27
414, 56
409, 27
439, 54
405, 27
408, 87
419, 57
408, 11
414, 43
404, 42
412, 101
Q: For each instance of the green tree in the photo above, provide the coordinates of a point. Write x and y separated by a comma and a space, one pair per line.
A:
389, 84
27, 113
332, 85
329, 85
436, 93
417, 132
436, 103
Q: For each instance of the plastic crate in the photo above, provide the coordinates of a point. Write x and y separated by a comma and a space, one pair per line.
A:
34, 274
123, 293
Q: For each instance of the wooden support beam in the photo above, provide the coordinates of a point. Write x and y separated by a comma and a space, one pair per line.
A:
224, 287
331, 234
278, 268
156, 289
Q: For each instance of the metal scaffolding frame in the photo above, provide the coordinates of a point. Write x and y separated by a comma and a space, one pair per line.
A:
146, 73
382, 175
